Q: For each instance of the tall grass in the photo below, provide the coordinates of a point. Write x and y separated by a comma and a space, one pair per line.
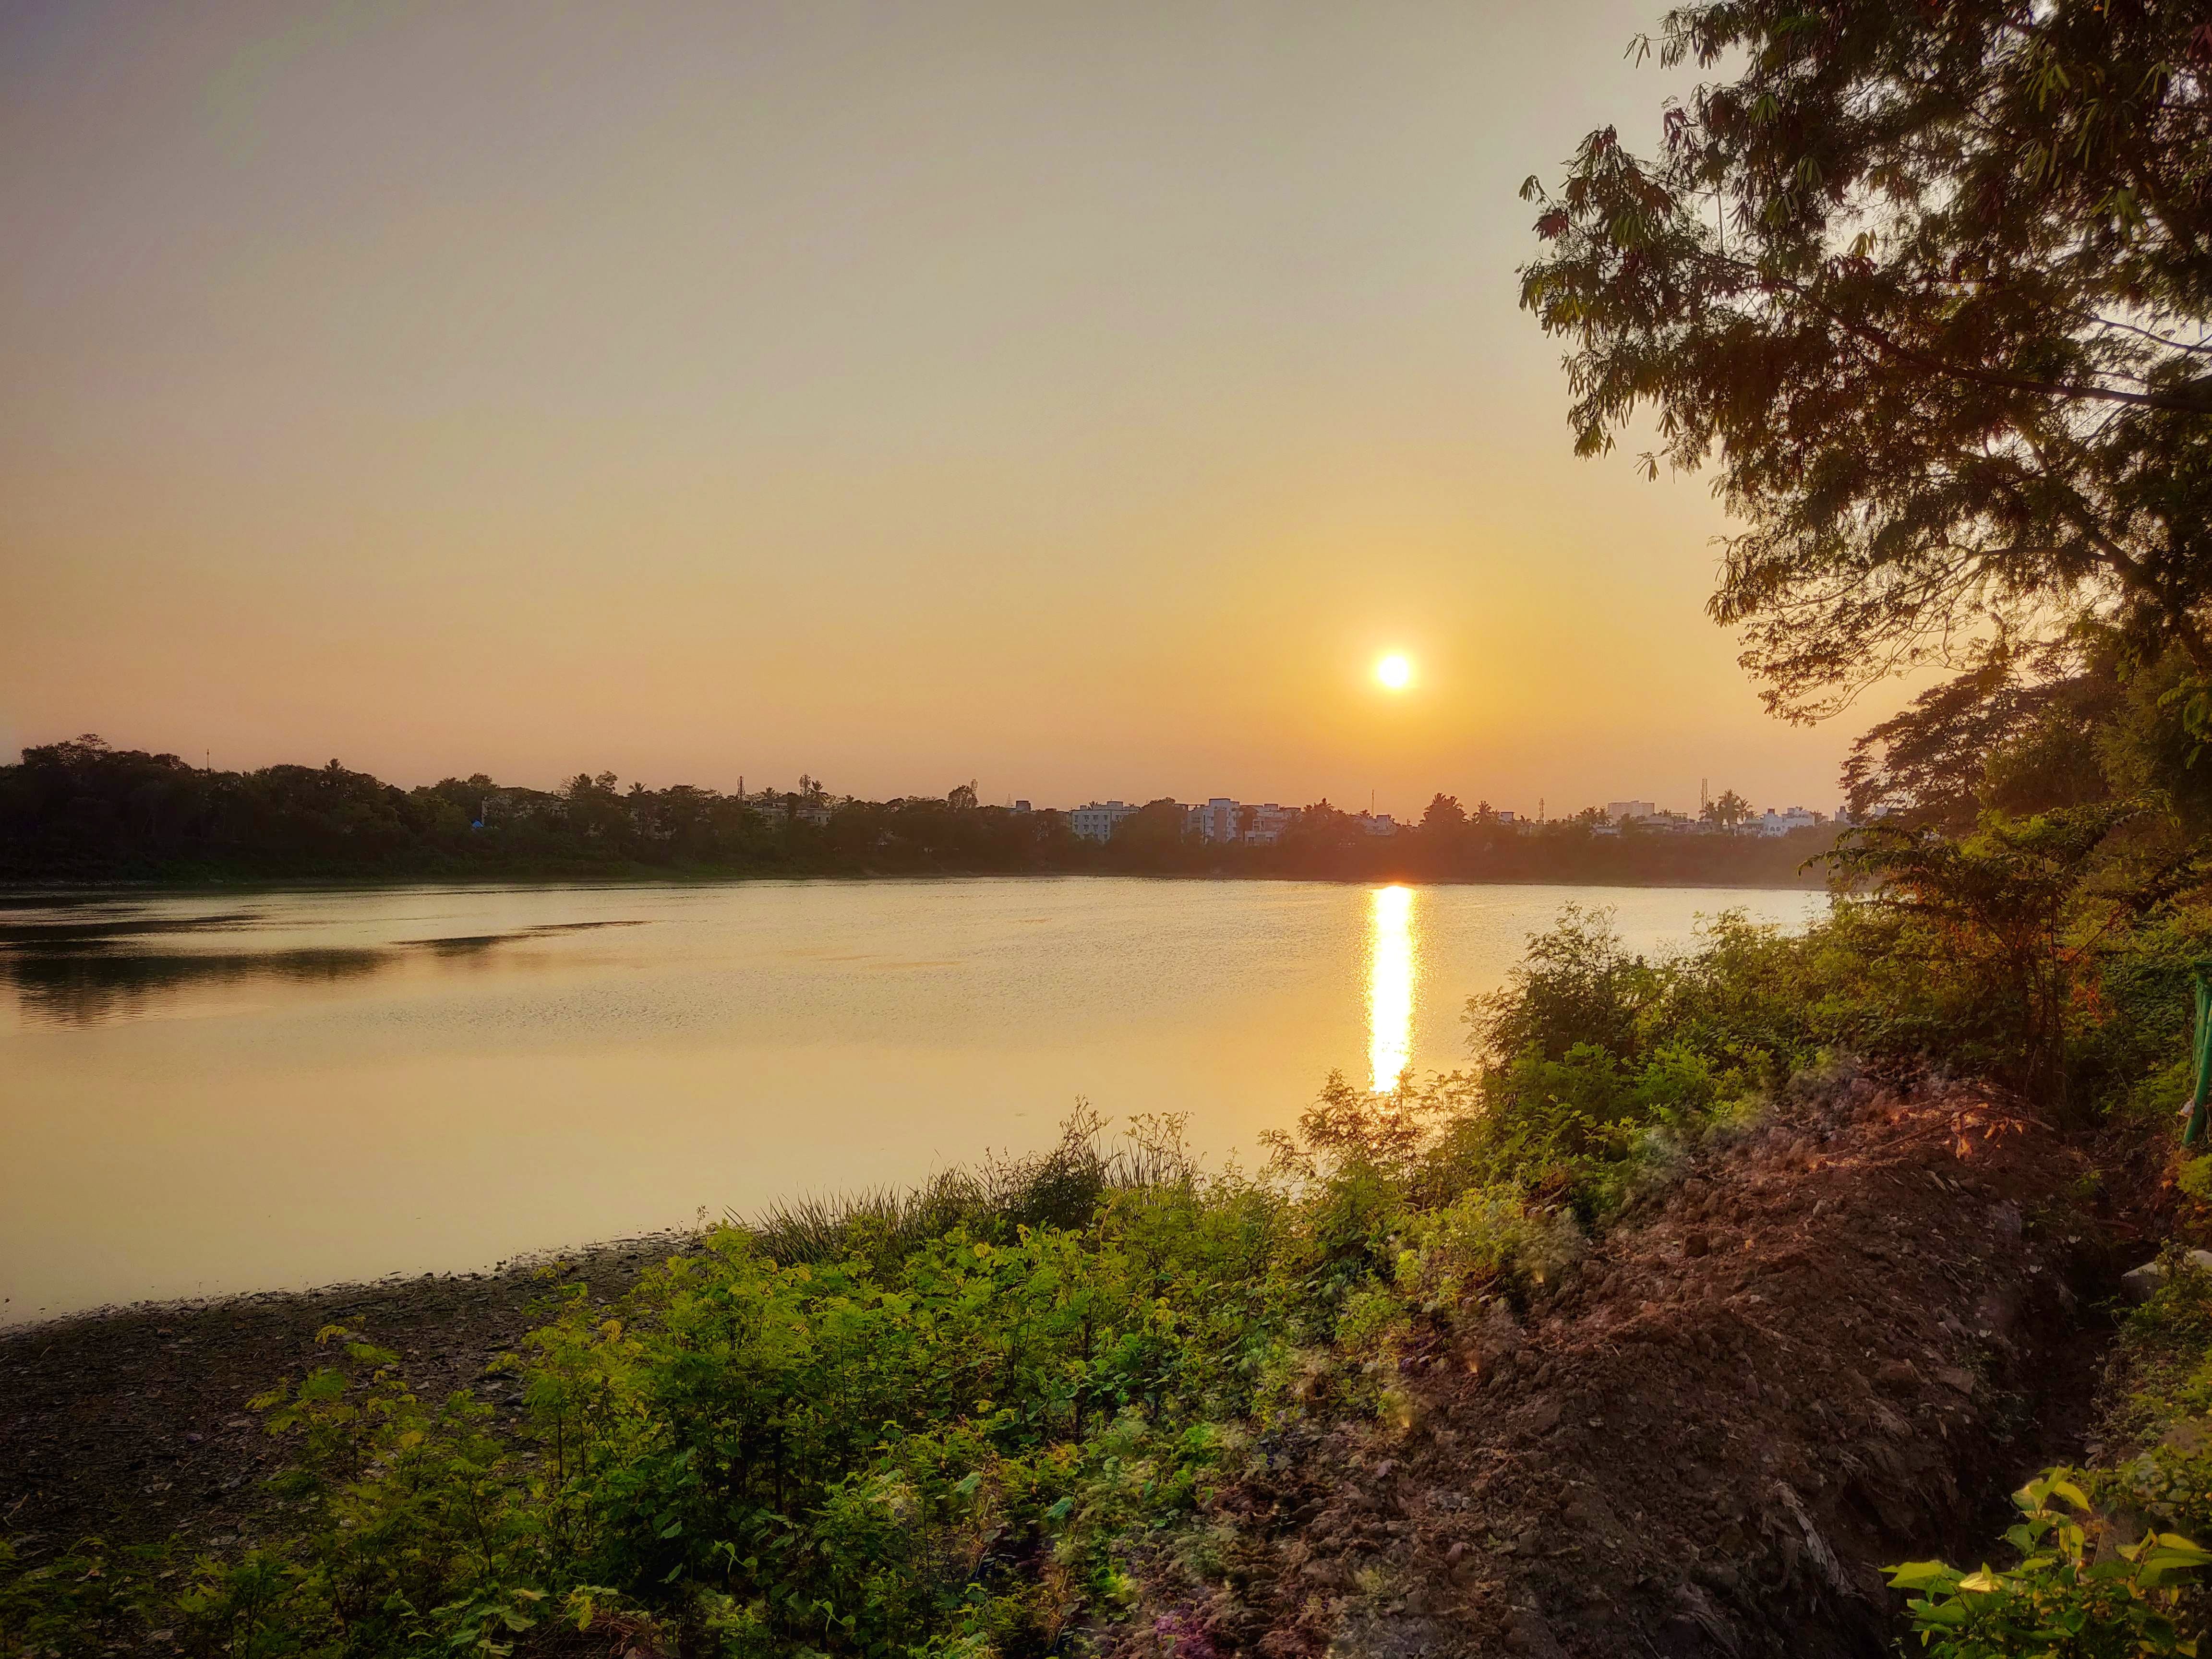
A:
1063, 1186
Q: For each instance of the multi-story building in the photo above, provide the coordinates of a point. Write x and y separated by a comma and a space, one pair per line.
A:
1628, 811
1098, 820
1771, 822
1267, 822
1216, 820
1221, 820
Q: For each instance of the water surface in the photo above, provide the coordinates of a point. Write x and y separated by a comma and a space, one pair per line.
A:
210, 1094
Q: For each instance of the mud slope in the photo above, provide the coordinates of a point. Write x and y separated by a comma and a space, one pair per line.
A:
1825, 1350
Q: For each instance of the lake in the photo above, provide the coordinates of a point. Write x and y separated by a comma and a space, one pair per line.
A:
225, 1092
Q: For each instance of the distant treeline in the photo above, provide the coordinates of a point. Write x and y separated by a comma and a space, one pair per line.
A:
82, 810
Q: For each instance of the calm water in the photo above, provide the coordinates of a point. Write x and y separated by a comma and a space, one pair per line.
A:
211, 1094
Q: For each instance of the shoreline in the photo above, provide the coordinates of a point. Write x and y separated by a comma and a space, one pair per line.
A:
130, 1421
32, 891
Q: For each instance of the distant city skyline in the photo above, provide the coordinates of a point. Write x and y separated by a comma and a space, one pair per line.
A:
1410, 810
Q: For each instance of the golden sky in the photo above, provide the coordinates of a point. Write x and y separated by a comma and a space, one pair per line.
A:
1077, 398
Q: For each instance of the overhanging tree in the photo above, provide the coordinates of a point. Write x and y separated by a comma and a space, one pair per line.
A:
1927, 285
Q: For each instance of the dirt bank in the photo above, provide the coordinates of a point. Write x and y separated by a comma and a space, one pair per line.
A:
131, 1424
1836, 1344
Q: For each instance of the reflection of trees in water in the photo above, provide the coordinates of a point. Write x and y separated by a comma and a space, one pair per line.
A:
102, 931
85, 973
87, 986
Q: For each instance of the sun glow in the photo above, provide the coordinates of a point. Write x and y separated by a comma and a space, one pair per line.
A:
1389, 987
1395, 671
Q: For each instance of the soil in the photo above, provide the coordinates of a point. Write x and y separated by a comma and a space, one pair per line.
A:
132, 1424
1834, 1345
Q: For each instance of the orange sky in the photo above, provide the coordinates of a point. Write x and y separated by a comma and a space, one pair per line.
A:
1078, 397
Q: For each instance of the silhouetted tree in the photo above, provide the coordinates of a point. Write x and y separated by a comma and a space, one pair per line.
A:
1930, 286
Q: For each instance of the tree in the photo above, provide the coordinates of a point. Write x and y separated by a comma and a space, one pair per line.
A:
1445, 815
962, 796
2024, 731
1727, 812
1152, 833
2014, 910
1929, 285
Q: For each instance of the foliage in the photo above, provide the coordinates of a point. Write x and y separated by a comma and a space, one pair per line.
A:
48, 1607
1929, 764
81, 810
2106, 1561
1929, 285
2161, 1407
2066, 1598
2004, 908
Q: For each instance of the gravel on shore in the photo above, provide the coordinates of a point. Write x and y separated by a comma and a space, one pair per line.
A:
131, 1424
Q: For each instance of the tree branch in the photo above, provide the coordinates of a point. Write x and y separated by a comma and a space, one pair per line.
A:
2198, 404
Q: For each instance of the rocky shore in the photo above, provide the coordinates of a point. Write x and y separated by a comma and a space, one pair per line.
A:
131, 1424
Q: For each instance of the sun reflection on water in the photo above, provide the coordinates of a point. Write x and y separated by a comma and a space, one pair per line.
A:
1389, 986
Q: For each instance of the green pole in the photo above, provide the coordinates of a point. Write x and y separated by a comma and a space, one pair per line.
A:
2203, 1054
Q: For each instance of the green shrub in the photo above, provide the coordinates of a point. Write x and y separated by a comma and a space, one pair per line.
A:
2067, 1599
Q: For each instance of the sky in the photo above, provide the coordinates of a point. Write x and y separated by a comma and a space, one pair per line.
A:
1077, 398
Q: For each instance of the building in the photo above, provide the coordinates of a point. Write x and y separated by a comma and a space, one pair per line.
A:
1628, 811
1268, 822
1771, 822
1219, 820
1098, 820
1222, 821
1216, 820
1376, 823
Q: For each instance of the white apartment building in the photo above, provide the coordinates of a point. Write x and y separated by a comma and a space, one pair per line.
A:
1628, 811
1221, 820
1771, 822
1269, 821
1216, 820
1098, 819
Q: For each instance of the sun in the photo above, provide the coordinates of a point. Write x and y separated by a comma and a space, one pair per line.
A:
1395, 671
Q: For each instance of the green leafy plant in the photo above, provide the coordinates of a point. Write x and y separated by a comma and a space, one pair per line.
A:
2073, 1596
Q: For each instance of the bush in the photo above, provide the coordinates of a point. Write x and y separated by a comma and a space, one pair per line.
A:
2066, 1600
